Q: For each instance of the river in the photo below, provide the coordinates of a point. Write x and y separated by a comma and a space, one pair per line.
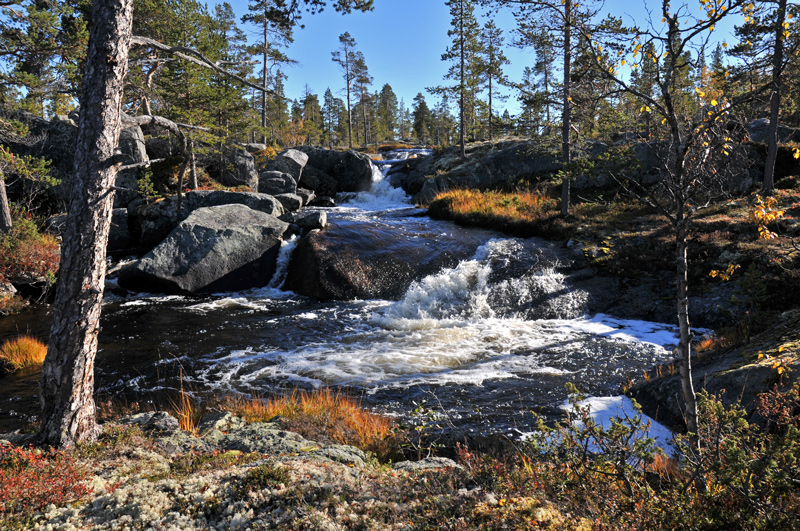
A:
483, 343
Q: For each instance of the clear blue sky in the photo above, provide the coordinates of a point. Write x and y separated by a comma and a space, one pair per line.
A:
402, 42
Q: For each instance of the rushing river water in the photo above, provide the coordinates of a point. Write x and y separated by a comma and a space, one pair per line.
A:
464, 341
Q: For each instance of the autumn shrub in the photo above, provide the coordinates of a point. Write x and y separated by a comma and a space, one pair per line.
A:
22, 352
31, 479
24, 251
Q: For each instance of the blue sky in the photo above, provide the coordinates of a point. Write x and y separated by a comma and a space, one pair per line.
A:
402, 41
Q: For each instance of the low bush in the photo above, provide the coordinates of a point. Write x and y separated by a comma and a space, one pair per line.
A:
31, 479
22, 352
24, 251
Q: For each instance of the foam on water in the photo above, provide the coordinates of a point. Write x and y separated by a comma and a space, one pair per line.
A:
380, 198
447, 331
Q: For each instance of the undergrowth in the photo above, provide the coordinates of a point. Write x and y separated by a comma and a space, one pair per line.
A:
25, 252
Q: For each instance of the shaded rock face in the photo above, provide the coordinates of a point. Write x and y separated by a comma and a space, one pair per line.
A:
132, 146
156, 221
276, 182
758, 130
487, 166
225, 248
350, 170
238, 169
348, 261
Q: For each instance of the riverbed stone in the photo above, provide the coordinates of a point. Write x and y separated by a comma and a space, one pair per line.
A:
306, 195
290, 202
291, 161
276, 183
157, 220
224, 248
351, 170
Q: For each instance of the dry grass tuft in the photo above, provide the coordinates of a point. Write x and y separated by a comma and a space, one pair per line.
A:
323, 412
22, 352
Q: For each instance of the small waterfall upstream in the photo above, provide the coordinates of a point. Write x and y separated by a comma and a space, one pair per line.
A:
493, 336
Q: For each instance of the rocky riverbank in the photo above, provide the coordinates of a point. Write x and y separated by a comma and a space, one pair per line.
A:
145, 473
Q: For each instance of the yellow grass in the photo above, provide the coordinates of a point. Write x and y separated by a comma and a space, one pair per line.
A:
326, 412
21, 352
521, 206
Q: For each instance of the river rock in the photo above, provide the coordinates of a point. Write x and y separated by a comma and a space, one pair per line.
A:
276, 183
345, 262
351, 170
156, 221
319, 181
290, 161
488, 165
306, 195
238, 169
225, 248
307, 220
290, 202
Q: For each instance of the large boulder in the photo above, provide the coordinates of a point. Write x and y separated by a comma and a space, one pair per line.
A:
157, 220
488, 165
345, 262
351, 170
132, 147
290, 161
758, 130
320, 182
224, 248
276, 182
238, 168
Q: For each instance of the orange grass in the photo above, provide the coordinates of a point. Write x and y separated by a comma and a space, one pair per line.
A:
22, 352
520, 206
338, 416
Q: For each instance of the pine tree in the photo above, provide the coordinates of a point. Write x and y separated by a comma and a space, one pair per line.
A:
387, 112
492, 61
465, 67
422, 119
345, 57
362, 81
275, 32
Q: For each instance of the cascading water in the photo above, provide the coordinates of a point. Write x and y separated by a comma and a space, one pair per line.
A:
492, 337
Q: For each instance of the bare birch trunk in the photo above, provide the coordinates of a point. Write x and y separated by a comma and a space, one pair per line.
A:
67, 385
685, 341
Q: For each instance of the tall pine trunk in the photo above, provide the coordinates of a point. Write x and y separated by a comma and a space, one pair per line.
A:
67, 384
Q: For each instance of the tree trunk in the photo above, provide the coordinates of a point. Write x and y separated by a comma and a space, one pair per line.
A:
67, 384
462, 88
685, 342
775, 101
490, 107
5, 212
566, 114
265, 79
